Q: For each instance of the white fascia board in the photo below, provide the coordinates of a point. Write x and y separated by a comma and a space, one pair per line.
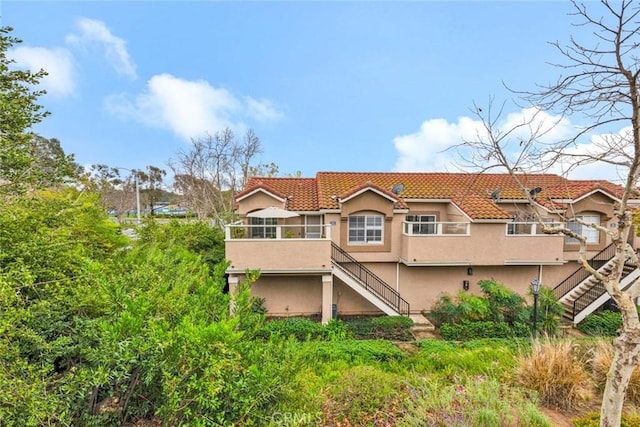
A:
427, 200
533, 262
282, 271
264, 191
330, 211
435, 263
492, 221
363, 190
401, 211
597, 190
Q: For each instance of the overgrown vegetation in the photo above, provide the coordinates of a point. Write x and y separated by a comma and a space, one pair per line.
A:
497, 313
606, 323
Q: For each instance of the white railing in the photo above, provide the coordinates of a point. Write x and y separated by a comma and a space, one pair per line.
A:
278, 232
528, 228
435, 228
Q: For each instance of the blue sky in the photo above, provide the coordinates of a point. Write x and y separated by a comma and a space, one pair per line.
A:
330, 86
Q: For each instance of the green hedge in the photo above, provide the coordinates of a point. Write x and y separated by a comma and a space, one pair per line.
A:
394, 328
605, 323
466, 331
300, 328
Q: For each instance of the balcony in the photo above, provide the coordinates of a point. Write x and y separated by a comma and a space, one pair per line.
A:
279, 248
448, 244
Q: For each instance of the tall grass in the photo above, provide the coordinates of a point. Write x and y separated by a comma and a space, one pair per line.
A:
555, 373
469, 402
600, 364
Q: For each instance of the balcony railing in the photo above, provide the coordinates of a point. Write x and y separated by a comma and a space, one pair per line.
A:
528, 228
435, 228
278, 232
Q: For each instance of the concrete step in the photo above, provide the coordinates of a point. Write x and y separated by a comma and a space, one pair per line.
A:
421, 323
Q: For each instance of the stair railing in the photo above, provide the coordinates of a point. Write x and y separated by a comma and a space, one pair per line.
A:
368, 280
580, 275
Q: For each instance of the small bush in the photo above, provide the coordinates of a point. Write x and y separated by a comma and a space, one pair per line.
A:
300, 328
606, 323
600, 364
466, 331
394, 328
554, 372
352, 351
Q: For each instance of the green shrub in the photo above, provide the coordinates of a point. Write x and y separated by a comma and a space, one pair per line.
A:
394, 328
336, 330
504, 304
300, 328
466, 306
492, 357
352, 351
466, 331
605, 323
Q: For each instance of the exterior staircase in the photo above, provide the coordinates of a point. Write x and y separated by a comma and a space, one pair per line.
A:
367, 284
581, 293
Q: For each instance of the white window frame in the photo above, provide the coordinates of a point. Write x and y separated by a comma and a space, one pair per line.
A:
263, 228
422, 224
370, 229
592, 234
312, 229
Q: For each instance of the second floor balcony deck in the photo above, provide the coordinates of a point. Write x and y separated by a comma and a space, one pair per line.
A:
274, 248
448, 243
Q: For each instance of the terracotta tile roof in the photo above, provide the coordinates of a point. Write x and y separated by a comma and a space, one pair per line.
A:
399, 203
470, 192
300, 193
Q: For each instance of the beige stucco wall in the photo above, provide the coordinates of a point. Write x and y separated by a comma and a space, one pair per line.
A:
258, 200
290, 295
272, 254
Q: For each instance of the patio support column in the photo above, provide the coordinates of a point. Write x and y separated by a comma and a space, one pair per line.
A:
327, 297
233, 283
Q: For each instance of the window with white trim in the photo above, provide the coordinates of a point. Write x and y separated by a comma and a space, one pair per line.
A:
263, 228
592, 234
366, 229
421, 224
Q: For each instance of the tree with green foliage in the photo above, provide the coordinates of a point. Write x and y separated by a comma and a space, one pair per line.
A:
26, 160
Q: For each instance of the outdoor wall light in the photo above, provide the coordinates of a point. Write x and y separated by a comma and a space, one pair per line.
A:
535, 289
469, 271
465, 285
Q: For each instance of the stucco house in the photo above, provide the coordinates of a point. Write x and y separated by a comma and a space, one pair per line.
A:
372, 243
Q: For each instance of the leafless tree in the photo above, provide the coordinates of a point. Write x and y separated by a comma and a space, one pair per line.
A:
600, 80
117, 191
214, 168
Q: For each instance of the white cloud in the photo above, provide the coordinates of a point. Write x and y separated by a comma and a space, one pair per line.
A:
189, 108
262, 110
115, 48
57, 62
428, 149
425, 149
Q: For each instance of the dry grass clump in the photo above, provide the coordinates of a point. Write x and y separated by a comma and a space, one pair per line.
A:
600, 364
553, 370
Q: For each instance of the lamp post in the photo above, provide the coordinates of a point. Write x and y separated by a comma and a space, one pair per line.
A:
535, 289
135, 179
